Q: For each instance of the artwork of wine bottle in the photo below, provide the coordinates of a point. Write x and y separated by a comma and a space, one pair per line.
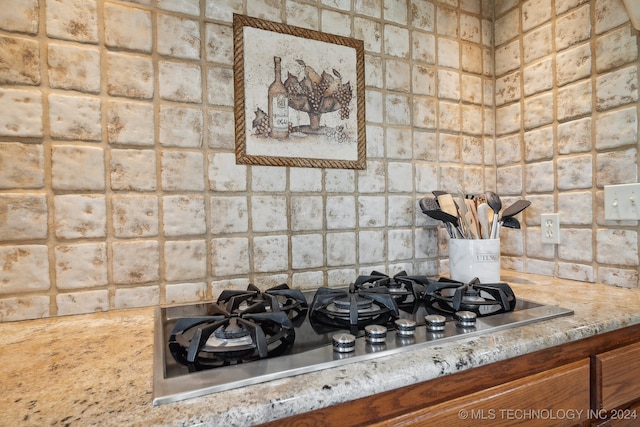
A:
278, 105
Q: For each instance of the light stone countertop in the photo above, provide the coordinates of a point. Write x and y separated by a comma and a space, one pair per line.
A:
96, 369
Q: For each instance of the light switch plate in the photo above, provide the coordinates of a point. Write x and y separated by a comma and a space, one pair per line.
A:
550, 228
622, 201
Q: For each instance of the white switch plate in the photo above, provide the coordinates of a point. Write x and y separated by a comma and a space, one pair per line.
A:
622, 201
550, 228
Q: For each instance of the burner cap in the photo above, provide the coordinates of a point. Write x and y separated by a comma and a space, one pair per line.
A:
396, 287
231, 331
345, 303
471, 299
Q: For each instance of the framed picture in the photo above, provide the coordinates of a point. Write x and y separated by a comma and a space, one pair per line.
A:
299, 96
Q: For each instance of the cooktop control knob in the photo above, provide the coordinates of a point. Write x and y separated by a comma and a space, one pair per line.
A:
466, 319
405, 327
375, 334
344, 343
435, 322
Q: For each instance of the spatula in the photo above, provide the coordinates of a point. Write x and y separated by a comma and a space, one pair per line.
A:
430, 207
508, 215
511, 222
448, 205
448, 220
515, 208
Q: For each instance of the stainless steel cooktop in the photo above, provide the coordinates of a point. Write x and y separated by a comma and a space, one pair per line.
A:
313, 349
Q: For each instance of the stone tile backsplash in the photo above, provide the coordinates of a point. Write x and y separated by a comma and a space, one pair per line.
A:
118, 181
572, 102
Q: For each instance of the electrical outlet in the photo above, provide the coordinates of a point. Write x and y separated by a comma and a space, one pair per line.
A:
550, 228
622, 201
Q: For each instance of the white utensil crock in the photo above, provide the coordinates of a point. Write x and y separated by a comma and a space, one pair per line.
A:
470, 258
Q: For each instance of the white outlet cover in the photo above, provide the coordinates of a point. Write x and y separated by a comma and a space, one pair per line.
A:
622, 201
550, 228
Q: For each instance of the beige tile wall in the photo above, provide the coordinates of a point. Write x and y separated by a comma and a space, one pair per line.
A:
566, 125
118, 181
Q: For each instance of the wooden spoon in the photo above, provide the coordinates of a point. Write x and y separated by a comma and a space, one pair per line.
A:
472, 219
483, 219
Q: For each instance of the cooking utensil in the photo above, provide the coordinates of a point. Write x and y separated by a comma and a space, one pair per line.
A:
430, 207
472, 218
494, 202
483, 219
446, 218
515, 208
508, 215
462, 214
511, 222
428, 204
447, 204
466, 213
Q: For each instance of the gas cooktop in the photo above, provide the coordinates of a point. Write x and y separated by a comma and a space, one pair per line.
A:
251, 336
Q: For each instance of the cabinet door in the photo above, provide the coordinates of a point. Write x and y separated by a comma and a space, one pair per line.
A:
617, 377
557, 397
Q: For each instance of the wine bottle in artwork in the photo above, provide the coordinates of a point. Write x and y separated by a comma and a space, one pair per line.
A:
278, 105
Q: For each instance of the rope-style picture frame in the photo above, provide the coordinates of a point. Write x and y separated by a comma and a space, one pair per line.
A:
299, 96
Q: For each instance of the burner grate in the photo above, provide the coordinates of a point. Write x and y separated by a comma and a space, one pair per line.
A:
241, 326
354, 308
403, 288
450, 296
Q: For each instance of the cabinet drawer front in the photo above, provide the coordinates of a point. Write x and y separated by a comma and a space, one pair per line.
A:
557, 397
617, 377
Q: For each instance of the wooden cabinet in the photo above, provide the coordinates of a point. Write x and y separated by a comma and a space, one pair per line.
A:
558, 397
616, 386
617, 377
602, 371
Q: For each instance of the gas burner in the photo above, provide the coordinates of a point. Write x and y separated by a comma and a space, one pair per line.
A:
278, 298
403, 288
343, 304
241, 326
451, 296
355, 308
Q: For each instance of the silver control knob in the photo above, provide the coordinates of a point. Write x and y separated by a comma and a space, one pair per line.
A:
435, 322
375, 334
344, 343
466, 319
405, 327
